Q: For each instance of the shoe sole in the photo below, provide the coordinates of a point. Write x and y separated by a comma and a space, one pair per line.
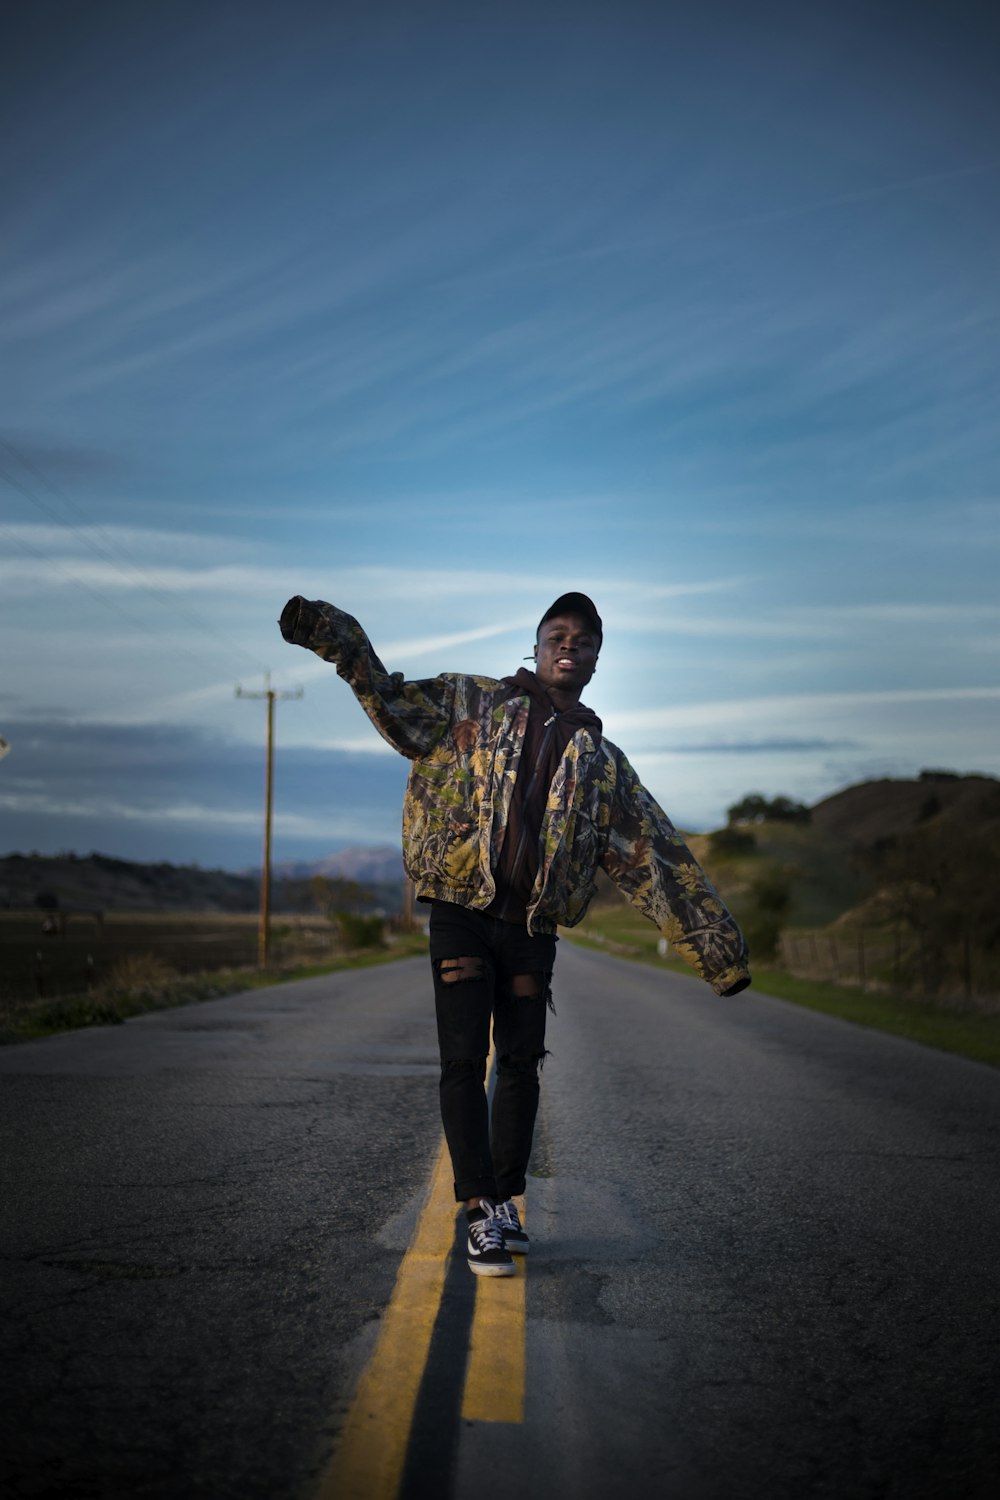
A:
486, 1270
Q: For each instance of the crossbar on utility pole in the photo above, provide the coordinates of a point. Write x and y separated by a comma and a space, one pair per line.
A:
264, 929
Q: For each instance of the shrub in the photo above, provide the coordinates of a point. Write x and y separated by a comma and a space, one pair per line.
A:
762, 931
733, 841
772, 893
360, 932
770, 897
138, 974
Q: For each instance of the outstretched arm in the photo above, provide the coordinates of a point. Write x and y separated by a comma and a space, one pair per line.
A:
412, 716
651, 865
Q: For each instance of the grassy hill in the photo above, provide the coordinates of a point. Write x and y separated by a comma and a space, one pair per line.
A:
830, 861
825, 875
837, 920
873, 811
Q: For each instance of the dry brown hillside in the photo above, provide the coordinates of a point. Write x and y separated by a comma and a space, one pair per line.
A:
876, 810
832, 862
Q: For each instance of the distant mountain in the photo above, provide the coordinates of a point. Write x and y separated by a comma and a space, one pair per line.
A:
368, 866
100, 882
829, 879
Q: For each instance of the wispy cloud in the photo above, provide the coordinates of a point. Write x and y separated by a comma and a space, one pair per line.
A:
437, 360
105, 812
745, 710
129, 558
752, 747
58, 772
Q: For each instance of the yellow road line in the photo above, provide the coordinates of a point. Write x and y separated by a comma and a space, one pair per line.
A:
494, 1379
371, 1453
368, 1463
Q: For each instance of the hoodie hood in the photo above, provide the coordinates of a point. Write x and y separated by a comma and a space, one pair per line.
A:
569, 719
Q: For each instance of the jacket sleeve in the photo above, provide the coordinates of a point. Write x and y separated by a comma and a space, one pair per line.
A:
412, 716
652, 866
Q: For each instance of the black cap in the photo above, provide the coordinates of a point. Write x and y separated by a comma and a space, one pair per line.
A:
574, 604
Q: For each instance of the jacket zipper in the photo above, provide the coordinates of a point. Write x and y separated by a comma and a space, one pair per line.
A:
522, 841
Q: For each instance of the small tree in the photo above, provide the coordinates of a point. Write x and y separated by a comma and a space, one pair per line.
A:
770, 898
334, 895
360, 932
750, 809
756, 808
730, 840
786, 810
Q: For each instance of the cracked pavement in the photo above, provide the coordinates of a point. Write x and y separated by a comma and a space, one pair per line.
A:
764, 1258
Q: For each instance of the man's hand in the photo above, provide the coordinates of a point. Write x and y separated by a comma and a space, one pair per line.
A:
297, 621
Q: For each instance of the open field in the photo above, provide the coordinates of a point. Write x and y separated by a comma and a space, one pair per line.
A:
35, 963
143, 963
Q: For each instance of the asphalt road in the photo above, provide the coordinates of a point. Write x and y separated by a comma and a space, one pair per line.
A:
764, 1258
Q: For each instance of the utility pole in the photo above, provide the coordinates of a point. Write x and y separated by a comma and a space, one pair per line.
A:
264, 930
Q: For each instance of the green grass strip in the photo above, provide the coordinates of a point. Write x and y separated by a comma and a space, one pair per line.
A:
28, 1021
969, 1034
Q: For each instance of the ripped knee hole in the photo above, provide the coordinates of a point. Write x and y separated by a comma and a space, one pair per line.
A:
461, 970
533, 987
514, 1062
529, 986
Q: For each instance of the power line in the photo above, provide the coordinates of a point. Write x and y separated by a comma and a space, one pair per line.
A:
111, 551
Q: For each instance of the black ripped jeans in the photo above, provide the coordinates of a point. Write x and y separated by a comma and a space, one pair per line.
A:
484, 967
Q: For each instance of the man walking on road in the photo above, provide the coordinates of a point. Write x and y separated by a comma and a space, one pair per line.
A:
515, 800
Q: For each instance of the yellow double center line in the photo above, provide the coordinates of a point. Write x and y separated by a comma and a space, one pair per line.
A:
368, 1463
494, 1375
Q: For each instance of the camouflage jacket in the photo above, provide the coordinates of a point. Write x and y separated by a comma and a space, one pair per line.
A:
463, 736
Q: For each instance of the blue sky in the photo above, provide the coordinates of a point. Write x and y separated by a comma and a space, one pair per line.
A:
438, 311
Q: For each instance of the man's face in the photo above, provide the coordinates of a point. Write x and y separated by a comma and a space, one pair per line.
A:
566, 653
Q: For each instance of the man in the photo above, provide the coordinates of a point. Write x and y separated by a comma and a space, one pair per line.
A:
514, 802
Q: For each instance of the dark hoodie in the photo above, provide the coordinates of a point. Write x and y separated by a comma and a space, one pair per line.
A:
545, 740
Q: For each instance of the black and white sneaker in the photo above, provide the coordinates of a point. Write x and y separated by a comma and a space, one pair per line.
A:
488, 1255
514, 1236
